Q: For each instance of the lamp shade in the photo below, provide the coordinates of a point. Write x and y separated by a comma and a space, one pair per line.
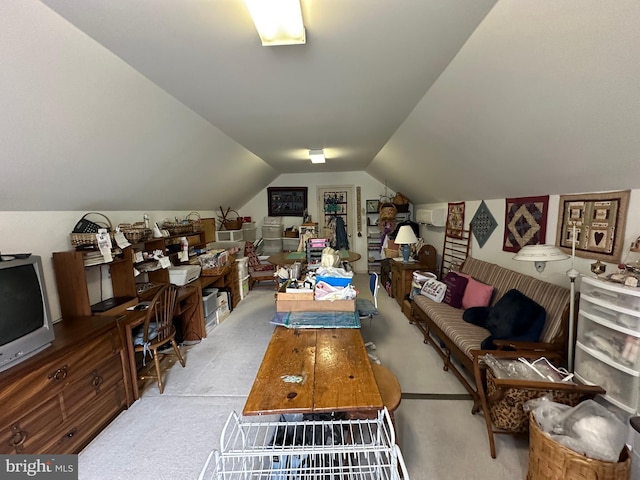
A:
405, 235
540, 254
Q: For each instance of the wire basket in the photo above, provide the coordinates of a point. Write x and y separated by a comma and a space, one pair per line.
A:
548, 460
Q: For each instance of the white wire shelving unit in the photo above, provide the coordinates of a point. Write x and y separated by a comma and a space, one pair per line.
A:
306, 449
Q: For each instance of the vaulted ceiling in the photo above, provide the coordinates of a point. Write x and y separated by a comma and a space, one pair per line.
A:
165, 104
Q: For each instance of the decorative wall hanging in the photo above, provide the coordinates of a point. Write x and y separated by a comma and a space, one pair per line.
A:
600, 220
525, 222
483, 224
455, 220
287, 201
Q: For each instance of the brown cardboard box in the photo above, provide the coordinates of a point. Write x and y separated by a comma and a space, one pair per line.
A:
315, 305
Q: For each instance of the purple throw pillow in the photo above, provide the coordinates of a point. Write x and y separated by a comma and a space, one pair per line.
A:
455, 289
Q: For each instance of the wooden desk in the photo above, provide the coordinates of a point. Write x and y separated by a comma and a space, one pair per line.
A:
334, 368
281, 258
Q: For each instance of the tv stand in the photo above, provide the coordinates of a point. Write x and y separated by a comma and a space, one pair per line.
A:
59, 399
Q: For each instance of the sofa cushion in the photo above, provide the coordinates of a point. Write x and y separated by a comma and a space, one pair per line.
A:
477, 316
477, 294
514, 317
456, 286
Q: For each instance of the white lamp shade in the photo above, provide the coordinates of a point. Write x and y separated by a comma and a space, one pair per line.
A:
540, 254
405, 235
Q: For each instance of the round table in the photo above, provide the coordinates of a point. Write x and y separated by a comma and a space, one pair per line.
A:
281, 258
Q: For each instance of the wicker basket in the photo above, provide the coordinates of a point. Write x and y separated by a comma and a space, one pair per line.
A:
190, 224
84, 239
135, 232
232, 223
548, 460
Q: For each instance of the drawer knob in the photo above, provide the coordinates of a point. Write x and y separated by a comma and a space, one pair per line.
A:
18, 438
97, 381
59, 374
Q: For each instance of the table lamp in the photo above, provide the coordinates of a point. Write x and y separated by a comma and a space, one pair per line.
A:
406, 238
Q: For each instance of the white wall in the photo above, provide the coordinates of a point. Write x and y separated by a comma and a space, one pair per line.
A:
42, 233
554, 271
370, 189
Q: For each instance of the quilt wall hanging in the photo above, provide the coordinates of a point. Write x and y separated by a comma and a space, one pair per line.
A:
483, 224
525, 222
600, 220
455, 220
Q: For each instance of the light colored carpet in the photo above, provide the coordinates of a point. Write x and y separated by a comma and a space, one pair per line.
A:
169, 436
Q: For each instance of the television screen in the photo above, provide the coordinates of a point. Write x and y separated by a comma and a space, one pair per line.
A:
21, 305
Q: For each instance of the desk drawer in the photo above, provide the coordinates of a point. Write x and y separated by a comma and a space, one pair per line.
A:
52, 377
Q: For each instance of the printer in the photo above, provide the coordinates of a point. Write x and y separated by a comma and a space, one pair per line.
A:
183, 274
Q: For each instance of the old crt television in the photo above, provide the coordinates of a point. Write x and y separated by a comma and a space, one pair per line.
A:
25, 320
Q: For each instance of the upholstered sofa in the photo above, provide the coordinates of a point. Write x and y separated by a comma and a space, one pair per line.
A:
452, 337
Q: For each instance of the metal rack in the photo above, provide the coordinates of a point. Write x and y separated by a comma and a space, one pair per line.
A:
306, 449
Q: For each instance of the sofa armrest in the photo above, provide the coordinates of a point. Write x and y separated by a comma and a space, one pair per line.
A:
531, 346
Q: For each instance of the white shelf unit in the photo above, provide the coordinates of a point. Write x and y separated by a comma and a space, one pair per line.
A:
331, 449
608, 341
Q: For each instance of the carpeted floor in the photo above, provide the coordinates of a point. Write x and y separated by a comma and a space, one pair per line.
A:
169, 436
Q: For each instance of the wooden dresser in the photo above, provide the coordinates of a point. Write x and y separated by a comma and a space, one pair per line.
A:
58, 400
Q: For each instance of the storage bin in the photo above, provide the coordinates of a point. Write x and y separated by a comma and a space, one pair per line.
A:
229, 235
210, 301
335, 281
622, 347
624, 317
290, 244
249, 234
272, 221
248, 225
611, 293
272, 231
620, 382
271, 246
243, 267
244, 287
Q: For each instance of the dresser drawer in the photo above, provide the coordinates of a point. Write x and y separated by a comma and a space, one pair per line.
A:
29, 433
51, 378
84, 393
77, 431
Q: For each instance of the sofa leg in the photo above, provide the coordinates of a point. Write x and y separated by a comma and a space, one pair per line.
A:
447, 360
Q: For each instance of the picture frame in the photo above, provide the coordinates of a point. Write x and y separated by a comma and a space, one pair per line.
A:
600, 220
287, 201
372, 206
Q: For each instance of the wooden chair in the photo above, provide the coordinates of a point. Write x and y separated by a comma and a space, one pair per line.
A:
258, 271
158, 330
502, 399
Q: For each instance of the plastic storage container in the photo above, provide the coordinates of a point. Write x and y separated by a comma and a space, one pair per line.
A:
249, 234
272, 231
271, 246
244, 287
290, 244
621, 383
243, 267
229, 235
612, 293
209, 301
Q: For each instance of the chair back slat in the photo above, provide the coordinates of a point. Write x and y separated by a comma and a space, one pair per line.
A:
160, 313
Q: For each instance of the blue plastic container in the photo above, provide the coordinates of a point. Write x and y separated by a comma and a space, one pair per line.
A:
335, 281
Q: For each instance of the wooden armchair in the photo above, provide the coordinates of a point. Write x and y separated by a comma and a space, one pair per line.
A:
258, 271
502, 399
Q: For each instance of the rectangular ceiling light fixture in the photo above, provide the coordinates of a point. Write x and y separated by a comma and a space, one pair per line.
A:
316, 156
279, 22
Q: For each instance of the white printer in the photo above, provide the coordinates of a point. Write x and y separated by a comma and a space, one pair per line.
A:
183, 274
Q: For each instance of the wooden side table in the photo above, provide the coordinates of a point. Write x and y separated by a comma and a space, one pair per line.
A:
401, 277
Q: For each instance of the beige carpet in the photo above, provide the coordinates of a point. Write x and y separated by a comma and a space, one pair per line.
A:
169, 436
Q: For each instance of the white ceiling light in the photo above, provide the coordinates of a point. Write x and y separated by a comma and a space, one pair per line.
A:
316, 156
279, 22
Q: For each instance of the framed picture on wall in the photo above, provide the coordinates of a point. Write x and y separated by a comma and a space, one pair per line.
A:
287, 201
372, 206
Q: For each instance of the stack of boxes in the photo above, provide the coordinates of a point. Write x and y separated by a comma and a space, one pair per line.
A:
272, 232
249, 231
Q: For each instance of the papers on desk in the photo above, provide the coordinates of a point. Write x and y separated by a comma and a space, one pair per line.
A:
317, 319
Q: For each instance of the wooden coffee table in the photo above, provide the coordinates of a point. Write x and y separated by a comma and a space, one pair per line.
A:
314, 371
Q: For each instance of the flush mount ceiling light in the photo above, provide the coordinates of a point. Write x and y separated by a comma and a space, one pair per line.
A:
279, 22
316, 156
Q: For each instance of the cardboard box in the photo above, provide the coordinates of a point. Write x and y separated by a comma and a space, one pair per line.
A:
294, 296
315, 305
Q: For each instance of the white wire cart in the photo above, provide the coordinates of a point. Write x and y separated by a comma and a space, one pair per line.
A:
306, 449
